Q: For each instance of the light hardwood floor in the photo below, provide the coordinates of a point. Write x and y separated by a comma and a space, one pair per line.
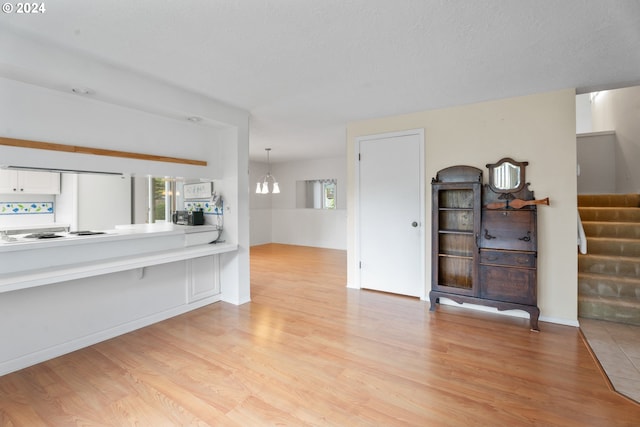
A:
308, 351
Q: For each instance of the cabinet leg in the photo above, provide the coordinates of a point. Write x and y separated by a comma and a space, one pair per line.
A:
434, 300
534, 313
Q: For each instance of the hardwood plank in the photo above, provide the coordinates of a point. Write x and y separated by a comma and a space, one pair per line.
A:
307, 351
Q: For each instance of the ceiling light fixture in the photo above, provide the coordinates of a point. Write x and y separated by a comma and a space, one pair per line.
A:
194, 119
263, 184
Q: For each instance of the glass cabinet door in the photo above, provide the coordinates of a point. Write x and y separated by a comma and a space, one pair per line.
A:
455, 223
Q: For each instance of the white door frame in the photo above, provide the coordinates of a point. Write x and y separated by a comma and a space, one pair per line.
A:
422, 184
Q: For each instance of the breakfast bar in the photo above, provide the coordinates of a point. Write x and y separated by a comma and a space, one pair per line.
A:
33, 262
61, 294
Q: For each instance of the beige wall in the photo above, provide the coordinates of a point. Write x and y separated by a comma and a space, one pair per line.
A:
539, 129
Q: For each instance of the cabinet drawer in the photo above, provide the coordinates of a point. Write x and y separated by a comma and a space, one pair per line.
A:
508, 284
508, 258
508, 229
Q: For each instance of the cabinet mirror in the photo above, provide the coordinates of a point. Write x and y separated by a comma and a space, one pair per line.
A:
507, 176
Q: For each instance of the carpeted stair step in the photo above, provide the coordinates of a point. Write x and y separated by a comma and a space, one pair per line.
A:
616, 200
609, 214
610, 309
616, 247
608, 264
612, 229
609, 274
624, 288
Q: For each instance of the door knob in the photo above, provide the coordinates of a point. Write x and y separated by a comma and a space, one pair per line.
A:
414, 224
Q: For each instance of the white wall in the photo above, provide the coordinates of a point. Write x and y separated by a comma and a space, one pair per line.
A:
41, 114
260, 218
619, 110
583, 113
234, 188
125, 111
539, 129
275, 218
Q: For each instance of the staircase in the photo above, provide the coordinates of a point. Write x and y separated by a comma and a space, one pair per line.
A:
609, 274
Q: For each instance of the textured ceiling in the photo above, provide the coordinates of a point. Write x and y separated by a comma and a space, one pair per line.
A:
304, 68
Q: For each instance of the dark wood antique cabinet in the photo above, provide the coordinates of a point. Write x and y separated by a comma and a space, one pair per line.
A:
485, 238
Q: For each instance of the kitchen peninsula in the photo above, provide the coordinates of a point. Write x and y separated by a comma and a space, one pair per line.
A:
77, 290
73, 256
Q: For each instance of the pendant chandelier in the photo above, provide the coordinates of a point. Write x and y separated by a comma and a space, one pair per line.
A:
267, 183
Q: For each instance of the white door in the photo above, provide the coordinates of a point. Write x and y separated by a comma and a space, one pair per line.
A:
390, 213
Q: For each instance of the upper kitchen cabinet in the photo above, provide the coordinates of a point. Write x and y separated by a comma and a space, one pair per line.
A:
29, 182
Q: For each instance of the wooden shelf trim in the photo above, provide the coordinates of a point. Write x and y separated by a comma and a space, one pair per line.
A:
464, 257
461, 232
520, 267
38, 145
456, 285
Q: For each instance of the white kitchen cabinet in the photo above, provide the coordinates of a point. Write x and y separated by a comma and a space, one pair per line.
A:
203, 278
29, 182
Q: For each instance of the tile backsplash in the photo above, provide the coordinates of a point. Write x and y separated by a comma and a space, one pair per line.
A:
207, 207
26, 208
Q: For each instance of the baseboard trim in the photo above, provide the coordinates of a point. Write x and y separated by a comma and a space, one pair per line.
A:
511, 313
559, 321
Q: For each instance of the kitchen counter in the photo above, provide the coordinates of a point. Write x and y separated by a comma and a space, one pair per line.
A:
164, 226
28, 262
50, 226
18, 242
